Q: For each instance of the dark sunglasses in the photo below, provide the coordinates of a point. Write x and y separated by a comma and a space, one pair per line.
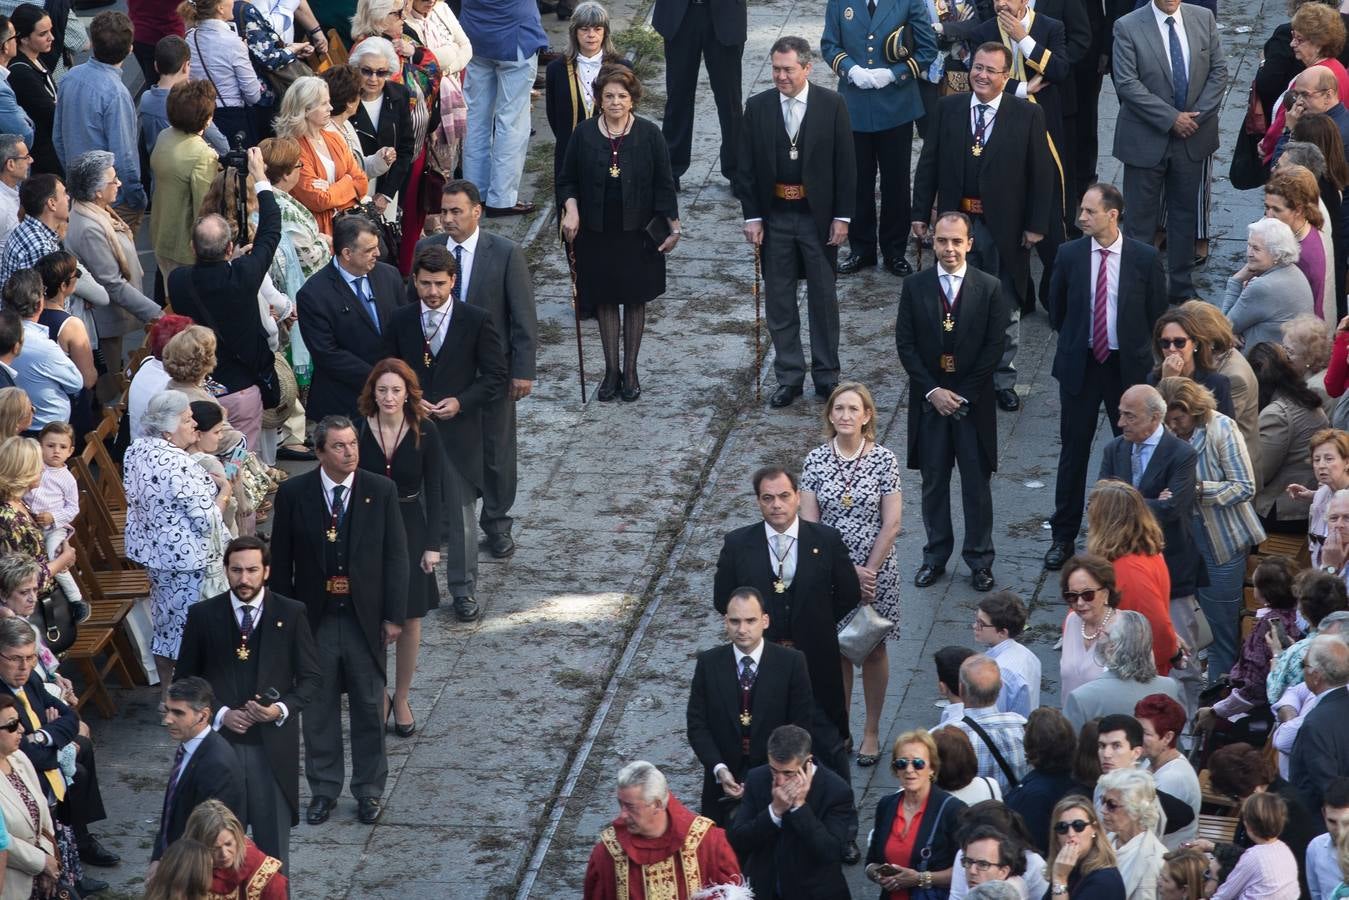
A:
1087, 596
1111, 805
1078, 825
374, 73
12, 726
1168, 343
903, 763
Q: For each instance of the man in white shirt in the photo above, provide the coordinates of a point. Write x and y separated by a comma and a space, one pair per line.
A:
15, 161
998, 621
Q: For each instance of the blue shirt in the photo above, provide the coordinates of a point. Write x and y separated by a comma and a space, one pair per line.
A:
94, 112
503, 30
1020, 670
154, 118
47, 375
1146, 449
13, 119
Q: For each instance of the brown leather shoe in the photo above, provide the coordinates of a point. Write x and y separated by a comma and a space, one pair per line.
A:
523, 208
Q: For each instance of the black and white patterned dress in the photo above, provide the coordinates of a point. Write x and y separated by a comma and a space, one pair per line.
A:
866, 480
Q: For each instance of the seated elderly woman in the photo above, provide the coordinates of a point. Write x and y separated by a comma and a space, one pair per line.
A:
1129, 813
1292, 197
1270, 289
172, 512
1126, 652
19, 575
107, 247
1308, 342
1330, 464
1290, 413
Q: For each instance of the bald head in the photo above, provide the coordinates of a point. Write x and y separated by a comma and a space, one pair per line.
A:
1141, 409
211, 238
980, 682
1318, 89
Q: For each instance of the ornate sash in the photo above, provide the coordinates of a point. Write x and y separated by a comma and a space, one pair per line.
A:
660, 880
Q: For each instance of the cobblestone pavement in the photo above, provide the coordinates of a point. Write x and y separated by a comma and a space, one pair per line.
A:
583, 657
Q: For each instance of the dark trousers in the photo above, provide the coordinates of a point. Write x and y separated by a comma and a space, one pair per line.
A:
461, 537
790, 240
84, 801
890, 153
948, 442
1180, 178
269, 812
1082, 127
1078, 415
985, 257
498, 467
347, 665
145, 56
696, 41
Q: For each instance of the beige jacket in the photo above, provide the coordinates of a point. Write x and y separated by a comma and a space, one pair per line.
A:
28, 849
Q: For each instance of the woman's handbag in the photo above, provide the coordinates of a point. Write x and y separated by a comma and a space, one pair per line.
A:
861, 635
1247, 170
925, 855
284, 75
55, 620
1203, 631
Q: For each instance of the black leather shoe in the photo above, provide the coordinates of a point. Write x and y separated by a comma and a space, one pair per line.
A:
1008, 401
851, 855
608, 387
289, 455
87, 886
466, 609
1058, 555
500, 545
632, 388
824, 391
853, 263
898, 265
928, 575
982, 579
368, 810
784, 396
402, 730
320, 808
92, 853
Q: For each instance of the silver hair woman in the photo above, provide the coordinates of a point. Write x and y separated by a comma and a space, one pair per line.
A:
1305, 154
994, 890
19, 575
1125, 650
373, 17
376, 47
91, 173
1269, 289
1129, 813
173, 519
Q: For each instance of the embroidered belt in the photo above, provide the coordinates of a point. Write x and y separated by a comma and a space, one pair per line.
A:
972, 206
789, 191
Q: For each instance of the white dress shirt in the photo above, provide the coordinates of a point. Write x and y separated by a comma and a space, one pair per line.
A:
329, 484
1111, 287
436, 322
1025, 47
753, 656
1165, 29
465, 276
237, 606
9, 210
587, 67
990, 114
788, 562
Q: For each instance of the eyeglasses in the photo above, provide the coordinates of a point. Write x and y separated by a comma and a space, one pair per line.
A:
30, 659
981, 865
1111, 805
12, 726
1179, 343
374, 73
980, 623
1078, 825
1303, 95
903, 763
1087, 596
980, 68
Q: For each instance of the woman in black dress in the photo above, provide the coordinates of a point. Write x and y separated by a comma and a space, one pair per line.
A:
617, 189
399, 442
32, 82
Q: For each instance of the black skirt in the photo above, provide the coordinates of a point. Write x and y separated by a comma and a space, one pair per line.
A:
616, 267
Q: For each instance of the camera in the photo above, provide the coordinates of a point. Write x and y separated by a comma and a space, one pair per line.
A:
237, 158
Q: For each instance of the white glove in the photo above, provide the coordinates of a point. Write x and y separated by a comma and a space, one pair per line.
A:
861, 77
881, 77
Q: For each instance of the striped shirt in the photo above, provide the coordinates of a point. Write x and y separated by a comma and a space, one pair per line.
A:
57, 494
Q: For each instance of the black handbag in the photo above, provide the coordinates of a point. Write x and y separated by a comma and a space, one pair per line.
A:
55, 620
1247, 172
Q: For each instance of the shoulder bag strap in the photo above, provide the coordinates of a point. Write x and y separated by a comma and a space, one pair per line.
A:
926, 852
1012, 780
196, 41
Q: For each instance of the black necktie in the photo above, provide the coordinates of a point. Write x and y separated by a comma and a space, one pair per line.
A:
746, 673
871, 7
173, 784
455, 291
338, 512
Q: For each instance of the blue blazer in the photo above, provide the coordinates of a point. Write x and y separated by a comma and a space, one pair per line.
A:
13, 119
853, 37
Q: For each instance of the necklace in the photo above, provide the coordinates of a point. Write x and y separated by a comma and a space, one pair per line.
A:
1110, 613
846, 499
398, 439
615, 144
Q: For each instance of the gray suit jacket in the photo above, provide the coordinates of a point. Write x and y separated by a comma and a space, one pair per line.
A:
1142, 75
499, 283
129, 307
1108, 694
1286, 430
1259, 310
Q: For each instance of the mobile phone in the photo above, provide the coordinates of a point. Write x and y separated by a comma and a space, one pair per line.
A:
1280, 634
885, 870
268, 697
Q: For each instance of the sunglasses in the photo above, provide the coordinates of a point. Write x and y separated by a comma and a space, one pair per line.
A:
903, 763
1111, 805
1078, 825
374, 73
1087, 596
1178, 343
12, 726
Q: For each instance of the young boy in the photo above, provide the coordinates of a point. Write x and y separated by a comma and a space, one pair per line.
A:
998, 622
55, 502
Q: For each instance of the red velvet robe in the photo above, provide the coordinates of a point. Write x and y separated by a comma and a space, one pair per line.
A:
656, 869
259, 878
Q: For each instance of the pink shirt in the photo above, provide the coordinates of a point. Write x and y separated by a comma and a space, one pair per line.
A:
1312, 261
57, 494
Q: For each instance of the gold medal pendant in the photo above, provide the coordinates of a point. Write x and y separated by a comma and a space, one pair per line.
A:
745, 719
779, 587
846, 500
948, 324
332, 535
426, 360
614, 171
977, 150
242, 652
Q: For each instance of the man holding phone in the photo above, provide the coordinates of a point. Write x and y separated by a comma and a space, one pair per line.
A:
255, 649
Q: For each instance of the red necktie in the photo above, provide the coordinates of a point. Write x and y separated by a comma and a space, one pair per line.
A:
1100, 331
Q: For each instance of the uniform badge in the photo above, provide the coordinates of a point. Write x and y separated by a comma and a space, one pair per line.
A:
847, 13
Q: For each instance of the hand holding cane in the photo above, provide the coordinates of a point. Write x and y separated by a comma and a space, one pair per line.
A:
576, 317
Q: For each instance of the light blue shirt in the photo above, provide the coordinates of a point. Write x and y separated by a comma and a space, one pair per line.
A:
154, 118
1323, 868
1146, 449
13, 118
1018, 666
95, 112
365, 294
47, 375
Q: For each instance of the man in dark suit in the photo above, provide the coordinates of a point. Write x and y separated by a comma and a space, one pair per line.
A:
988, 157
792, 827
11, 345
1321, 750
48, 725
950, 333
456, 353
209, 292
248, 643
1170, 76
714, 30
338, 547
204, 766
798, 189
344, 311
494, 276
1106, 293
741, 692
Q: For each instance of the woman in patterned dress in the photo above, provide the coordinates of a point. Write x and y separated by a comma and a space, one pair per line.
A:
20, 471
851, 483
172, 511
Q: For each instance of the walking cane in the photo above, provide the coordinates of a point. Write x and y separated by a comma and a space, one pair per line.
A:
918, 244
758, 319
576, 317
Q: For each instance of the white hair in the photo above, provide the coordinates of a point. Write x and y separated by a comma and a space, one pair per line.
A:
163, 414
370, 14
1137, 794
376, 46
305, 94
646, 776
1280, 242
994, 890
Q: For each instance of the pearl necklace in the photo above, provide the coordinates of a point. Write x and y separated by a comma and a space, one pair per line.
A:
1100, 628
843, 458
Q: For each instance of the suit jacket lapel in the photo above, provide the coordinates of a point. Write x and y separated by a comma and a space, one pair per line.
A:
358, 510
1156, 459
971, 303
362, 313
1153, 36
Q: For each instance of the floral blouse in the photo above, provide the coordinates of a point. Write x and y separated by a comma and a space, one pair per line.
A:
171, 510
20, 534
265, 47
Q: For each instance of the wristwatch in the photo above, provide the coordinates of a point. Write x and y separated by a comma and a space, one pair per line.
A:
40, 738
1059, 890
1330, 570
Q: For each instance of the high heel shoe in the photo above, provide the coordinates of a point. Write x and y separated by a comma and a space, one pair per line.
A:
632, 388
609, 386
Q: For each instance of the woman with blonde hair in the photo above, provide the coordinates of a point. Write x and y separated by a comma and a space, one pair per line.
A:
331, 178
21, 472
240, 869
1294, 198
1182, 875
851, 484
1081, 861
1225, 522
183, 873
220, 56
1122, 530
1211, 328
16, 412
1308, 342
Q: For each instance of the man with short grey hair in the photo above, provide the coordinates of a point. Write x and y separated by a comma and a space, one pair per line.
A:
998, 737
651, 839
1321, 751
15, 161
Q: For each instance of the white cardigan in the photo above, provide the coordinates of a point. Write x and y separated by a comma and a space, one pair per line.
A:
28, 849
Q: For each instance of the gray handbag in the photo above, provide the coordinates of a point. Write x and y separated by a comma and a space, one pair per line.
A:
864, 631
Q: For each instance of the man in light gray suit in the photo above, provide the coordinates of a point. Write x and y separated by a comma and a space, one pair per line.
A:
493, 276
1170, 74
